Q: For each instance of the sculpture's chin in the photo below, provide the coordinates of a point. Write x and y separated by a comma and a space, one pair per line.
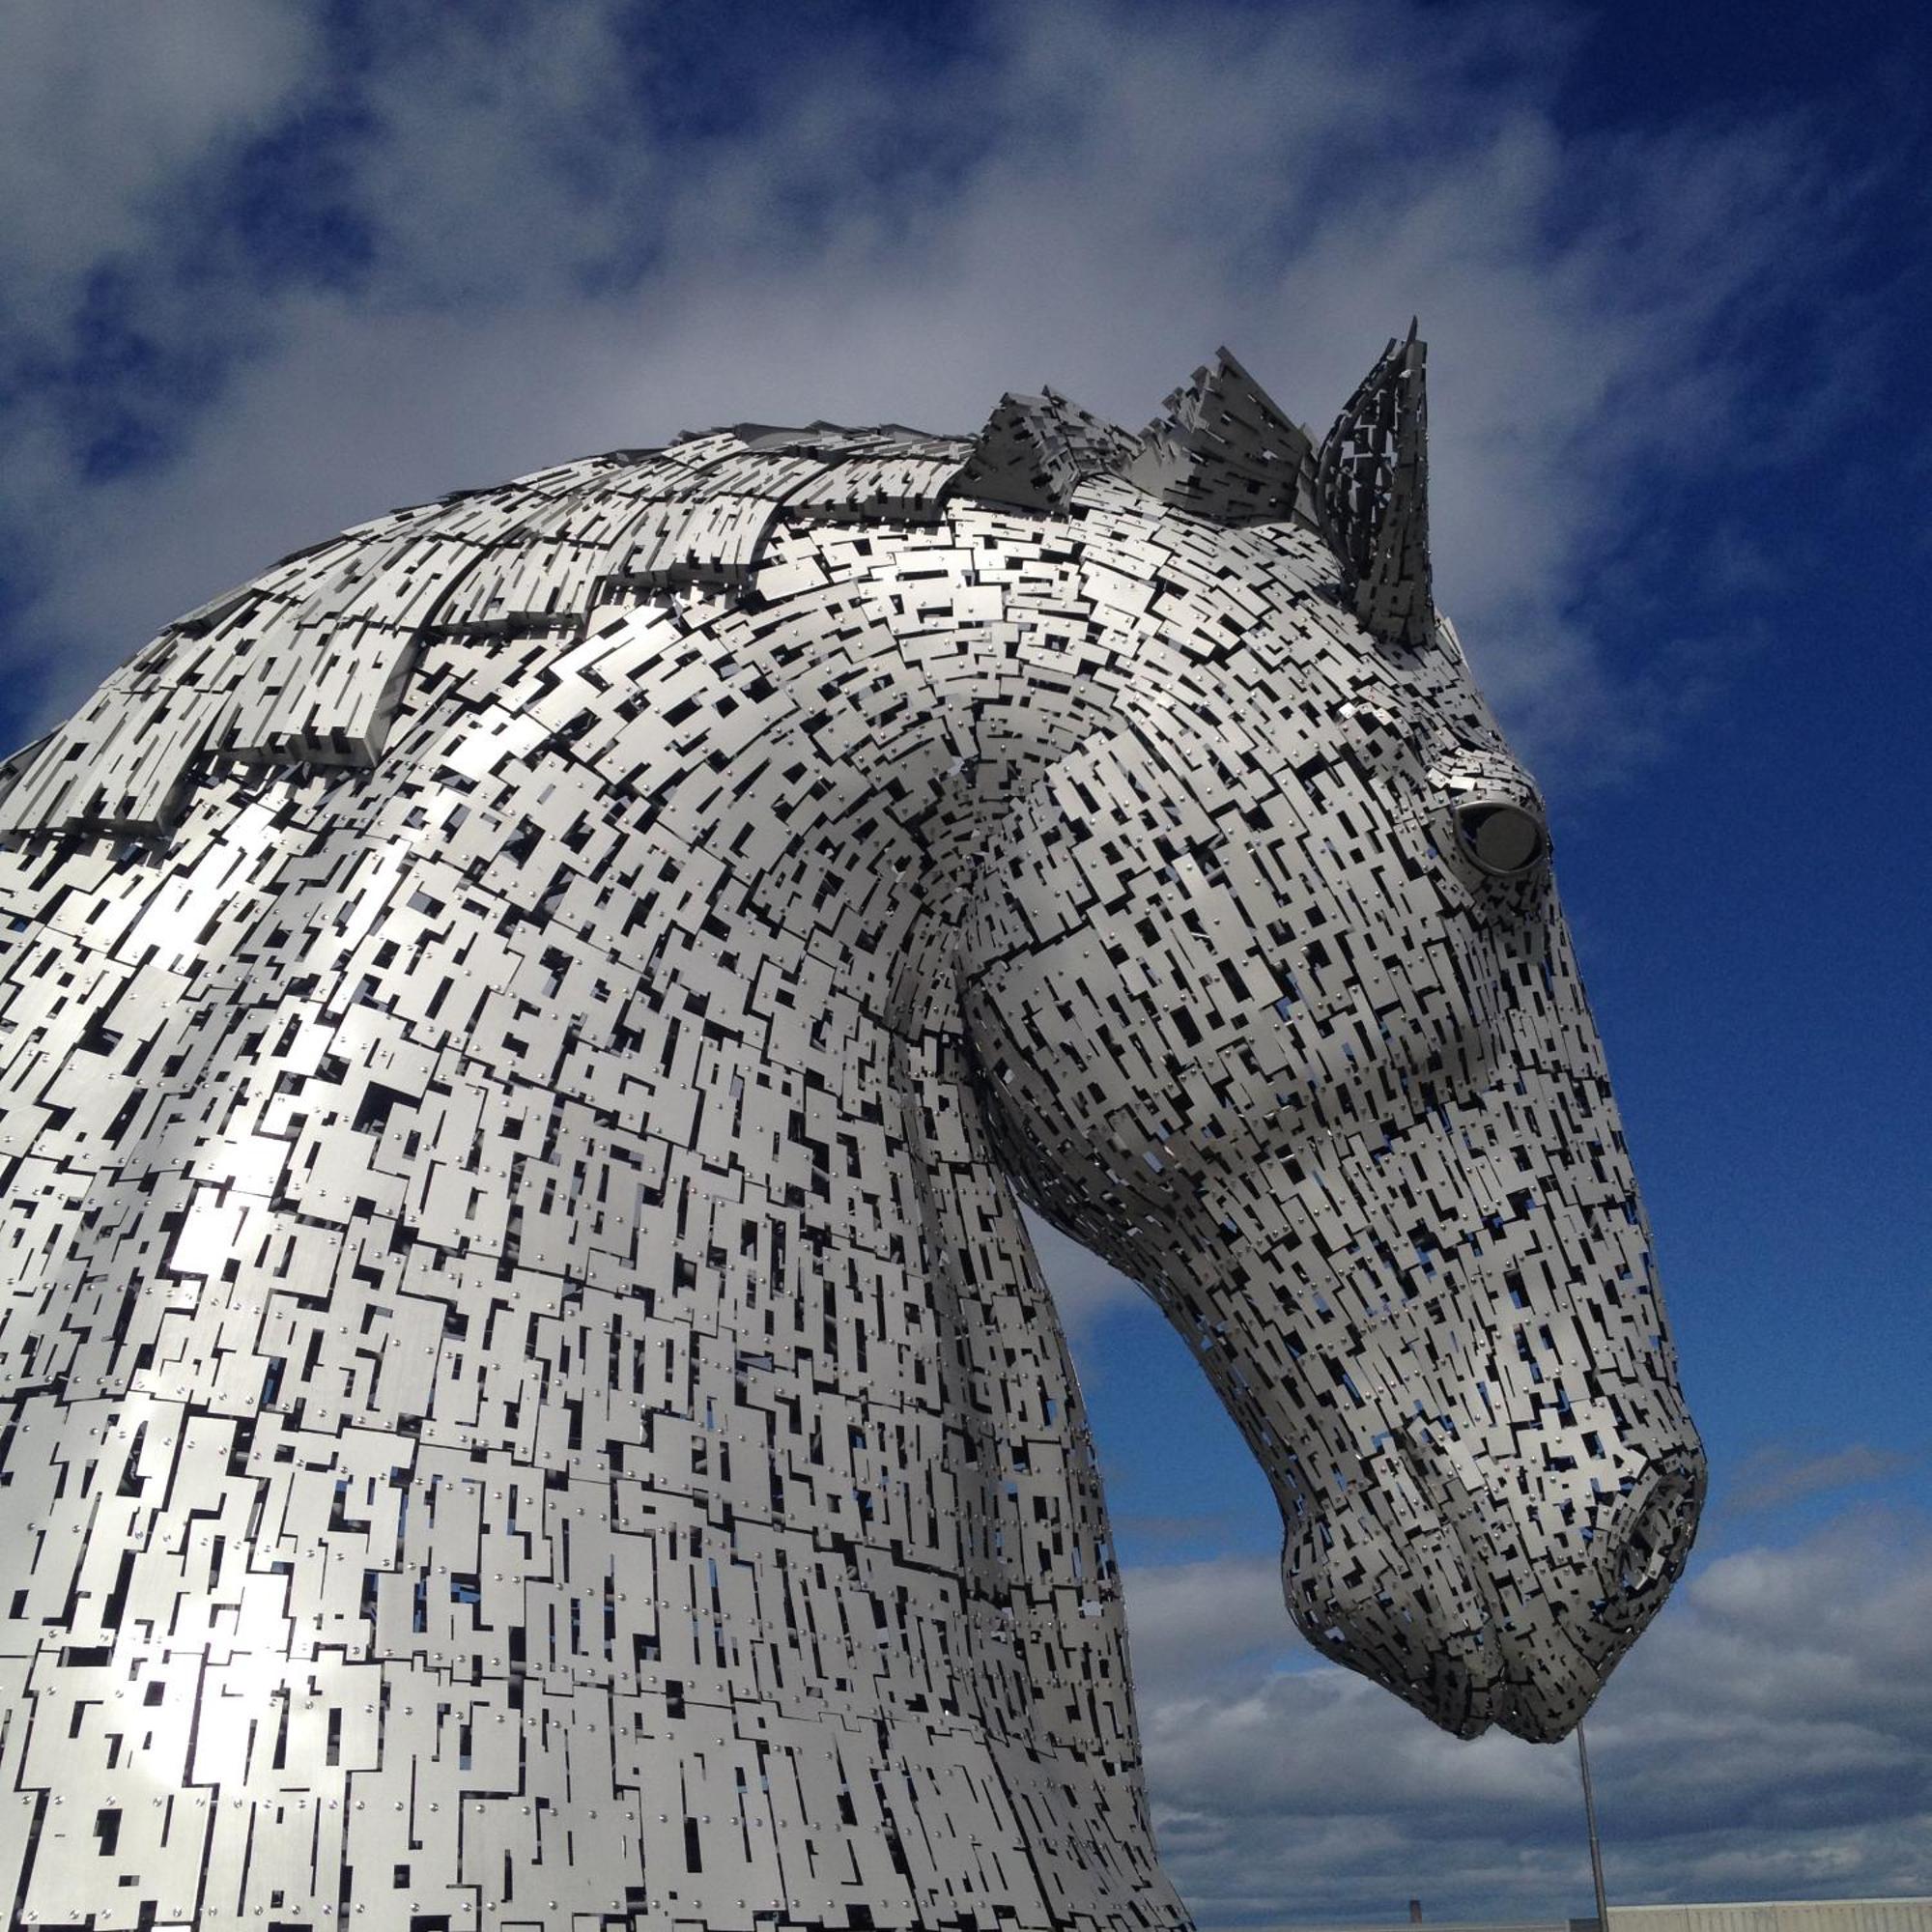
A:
1540, 1727
1540, 1713
1466, 1704
1432, 1640
1436, 1617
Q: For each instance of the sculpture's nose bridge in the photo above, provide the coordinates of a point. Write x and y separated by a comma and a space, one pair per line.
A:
1624, 1566
1461, 1509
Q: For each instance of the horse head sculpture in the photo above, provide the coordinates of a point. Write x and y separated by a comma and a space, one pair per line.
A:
1347, 1116
524, 1031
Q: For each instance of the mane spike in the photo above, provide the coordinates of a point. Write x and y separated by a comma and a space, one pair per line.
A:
1372, 487
1036, 450
1226, 451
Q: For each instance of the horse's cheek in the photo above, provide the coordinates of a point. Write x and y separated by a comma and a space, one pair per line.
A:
1045, 1090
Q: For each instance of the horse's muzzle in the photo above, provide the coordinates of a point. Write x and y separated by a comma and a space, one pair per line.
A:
1473, 1615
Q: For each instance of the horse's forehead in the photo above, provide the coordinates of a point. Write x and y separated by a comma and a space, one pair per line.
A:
1276, 582
1263, 605
1249, 618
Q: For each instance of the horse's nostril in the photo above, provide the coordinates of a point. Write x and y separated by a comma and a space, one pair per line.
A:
1653, 1548
1644, 1557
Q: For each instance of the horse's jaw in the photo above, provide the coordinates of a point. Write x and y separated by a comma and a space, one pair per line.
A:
1484, 1534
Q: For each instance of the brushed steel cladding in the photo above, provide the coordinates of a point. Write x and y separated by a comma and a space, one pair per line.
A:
523, 1034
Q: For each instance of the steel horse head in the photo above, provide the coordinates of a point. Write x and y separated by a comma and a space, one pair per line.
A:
523, 1033
1278, 1011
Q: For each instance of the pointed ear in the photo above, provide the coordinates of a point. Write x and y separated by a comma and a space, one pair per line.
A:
1034, 450
1372, 482
1225, 450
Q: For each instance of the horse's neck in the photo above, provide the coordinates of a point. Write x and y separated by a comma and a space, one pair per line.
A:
804, 886
544, 1172
772, 1175
1033, 1531
834, 1224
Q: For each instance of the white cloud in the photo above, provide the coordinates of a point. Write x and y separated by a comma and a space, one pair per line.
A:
108, 110
1199, 1627
1769, 1736
1084, 1287
1099, 198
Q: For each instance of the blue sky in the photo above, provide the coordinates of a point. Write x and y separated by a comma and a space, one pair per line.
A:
266, 270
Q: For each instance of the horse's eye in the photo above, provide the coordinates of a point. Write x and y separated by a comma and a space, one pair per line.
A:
1502, 838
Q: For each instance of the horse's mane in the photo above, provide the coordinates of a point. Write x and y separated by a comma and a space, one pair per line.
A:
306, 664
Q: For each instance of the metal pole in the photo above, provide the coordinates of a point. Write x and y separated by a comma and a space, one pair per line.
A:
1596, 1847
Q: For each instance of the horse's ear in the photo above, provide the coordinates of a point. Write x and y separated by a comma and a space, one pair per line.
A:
1372, 495
1034, 450
1226, 451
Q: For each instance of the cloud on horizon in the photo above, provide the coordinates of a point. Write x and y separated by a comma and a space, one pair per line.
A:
1769, 1737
